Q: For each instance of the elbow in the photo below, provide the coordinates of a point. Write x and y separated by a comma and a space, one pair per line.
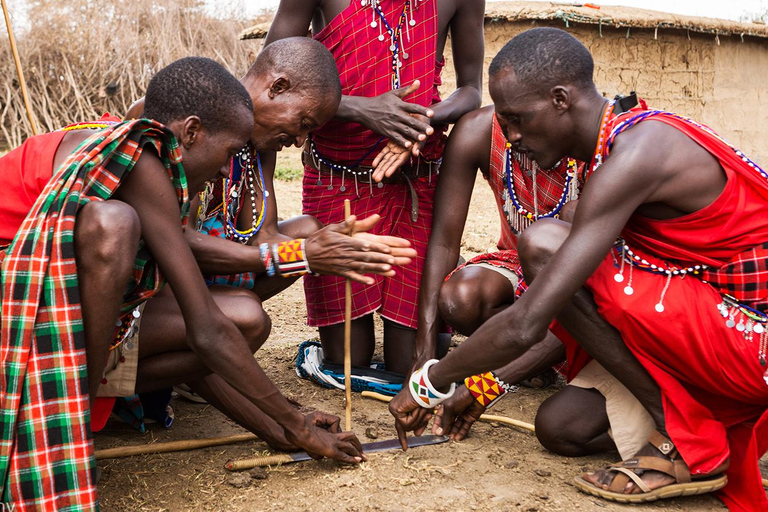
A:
517, 337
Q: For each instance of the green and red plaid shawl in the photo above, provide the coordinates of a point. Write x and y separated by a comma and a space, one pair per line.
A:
46, 449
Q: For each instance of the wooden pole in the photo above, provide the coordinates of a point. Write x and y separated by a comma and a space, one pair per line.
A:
173, 446
348, 339
485, 417
17, 61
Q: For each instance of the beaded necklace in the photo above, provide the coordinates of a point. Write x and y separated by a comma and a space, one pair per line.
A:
233, 192
396, 46
89, 126
597, 156
522, 217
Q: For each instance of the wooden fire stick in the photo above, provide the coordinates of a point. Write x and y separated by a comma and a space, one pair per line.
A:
173, 446
17, 61
348, 338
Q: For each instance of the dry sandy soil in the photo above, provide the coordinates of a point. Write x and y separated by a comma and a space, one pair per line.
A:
498, 467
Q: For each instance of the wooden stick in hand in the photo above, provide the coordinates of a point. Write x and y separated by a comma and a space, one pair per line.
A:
348, 338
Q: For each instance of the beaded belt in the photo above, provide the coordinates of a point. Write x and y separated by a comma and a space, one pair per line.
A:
362, 174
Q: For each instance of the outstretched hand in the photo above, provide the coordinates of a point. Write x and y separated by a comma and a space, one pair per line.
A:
319, 442
409, 416
332, 250
455, 416
392, 117
395, 155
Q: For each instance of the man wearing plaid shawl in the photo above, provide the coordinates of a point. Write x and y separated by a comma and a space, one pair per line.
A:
389, 54
662, 277
64, 282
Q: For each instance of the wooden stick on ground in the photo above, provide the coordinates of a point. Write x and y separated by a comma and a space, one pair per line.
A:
173, 446
348, 339
485, 417
17, 61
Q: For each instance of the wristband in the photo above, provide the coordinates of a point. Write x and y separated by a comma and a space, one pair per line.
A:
487, 388
266, 258
422, 390
290, 258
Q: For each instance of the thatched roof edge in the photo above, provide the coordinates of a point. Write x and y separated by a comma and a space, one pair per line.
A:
607, 15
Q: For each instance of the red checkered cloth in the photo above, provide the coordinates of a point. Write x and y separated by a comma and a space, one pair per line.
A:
396, 298
365, 69
46, 453
549, 186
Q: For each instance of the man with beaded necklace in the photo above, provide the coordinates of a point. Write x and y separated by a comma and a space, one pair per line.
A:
389, 56
660, 278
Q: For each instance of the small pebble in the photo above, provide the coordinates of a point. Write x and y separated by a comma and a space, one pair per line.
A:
542, 472
259, 473
239, 480
372, 433
511, 464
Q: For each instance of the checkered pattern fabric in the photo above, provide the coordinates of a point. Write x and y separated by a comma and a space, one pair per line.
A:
396, 298
365, 69
744, 277
46, 453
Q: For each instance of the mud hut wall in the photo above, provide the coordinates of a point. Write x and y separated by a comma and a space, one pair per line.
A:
722, 85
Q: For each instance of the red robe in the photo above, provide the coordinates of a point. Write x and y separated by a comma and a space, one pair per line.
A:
365, 69
714, 395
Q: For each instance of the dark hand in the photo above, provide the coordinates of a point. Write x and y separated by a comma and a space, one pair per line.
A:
332, 250
328, 422
319, 443
390, 116
408, 415
455, 416
394, 155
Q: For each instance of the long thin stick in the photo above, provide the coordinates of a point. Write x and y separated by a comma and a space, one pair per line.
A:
485, 417
348, 339
173, 446
16, 59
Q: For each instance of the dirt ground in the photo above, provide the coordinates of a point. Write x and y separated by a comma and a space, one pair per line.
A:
498, 467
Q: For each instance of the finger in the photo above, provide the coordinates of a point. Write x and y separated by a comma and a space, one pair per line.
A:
394, 242
351, 438
366, 224
448, 418
395, 163
402, 92
383, 153
401, 434
354, 276
463, 430
340, 454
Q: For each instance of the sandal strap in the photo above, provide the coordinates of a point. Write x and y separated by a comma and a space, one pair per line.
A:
682, 471
619, 482
632, 475
648, 463
663, 444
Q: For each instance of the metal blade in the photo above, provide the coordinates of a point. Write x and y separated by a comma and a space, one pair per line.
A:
383, 446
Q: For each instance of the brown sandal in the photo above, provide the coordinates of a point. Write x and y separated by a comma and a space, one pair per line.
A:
632, 469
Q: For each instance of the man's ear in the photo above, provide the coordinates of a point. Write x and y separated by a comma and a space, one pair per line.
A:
191, 128
280, 85
561, 98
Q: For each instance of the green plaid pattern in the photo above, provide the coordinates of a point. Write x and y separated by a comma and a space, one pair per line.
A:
46, 449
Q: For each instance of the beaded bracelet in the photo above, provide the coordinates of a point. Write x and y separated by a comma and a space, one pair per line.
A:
487, 388
290, 258
422, 390
266, 258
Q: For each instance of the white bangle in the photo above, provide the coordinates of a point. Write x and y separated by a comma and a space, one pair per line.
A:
422, 390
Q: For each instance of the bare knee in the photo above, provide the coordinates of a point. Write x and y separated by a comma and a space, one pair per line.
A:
107, 233
538, 243
461, 306
569, 422
251, 319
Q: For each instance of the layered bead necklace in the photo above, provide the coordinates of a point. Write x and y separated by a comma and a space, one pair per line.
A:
518, 217
233, 190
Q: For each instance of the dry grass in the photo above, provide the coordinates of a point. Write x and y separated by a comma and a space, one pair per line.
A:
82, 58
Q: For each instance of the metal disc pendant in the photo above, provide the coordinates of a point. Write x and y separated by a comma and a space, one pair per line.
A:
659, 307
266, 193
363, 3
758, 328
740, 327
136, 313
129, 345
342, 188
233, 193
412, 23
392, 47
330, 187
730, 323
765, 375
381, 37
405, 55
319, 182
629, 290
618, 278
380, 185
374, 24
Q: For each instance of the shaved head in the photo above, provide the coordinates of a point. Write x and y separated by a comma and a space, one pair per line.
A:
307, 63
545, 57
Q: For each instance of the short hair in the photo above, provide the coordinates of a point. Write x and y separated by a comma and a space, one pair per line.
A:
309, 65
546, 57
195, 86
